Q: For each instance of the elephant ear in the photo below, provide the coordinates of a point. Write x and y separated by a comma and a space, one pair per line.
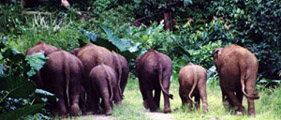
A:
217, 52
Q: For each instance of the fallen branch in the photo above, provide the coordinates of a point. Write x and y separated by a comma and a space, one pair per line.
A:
35, 12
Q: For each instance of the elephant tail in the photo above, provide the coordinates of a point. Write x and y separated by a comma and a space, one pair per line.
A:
242, 80
119, 70
67, 80
108, 78
194, 83
160, 76
253, 96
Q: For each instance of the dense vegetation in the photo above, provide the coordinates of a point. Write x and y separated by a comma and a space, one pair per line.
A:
186, 30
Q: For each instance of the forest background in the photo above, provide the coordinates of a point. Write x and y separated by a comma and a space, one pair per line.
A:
185, 30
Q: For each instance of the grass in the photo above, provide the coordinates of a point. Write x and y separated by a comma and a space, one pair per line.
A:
268, 107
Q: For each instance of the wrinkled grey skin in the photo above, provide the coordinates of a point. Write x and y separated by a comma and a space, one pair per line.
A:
237, 68
103, 84
62, 75
192, 79
154, 71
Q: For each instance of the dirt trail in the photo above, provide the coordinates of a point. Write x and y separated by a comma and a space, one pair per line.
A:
158, 116
98, 117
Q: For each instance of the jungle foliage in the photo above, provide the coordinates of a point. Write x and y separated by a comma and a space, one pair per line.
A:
186, 30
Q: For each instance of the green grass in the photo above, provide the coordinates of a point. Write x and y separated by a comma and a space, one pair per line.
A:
268, 107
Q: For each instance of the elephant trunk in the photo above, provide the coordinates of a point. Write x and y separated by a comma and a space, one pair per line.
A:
160, 76
194, 84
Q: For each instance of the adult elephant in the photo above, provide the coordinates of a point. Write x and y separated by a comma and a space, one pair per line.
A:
92, 55
46, 49
62, 75
192, 79
154, 71
237, 68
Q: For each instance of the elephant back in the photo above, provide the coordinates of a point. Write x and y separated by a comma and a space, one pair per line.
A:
92, 55
41, 47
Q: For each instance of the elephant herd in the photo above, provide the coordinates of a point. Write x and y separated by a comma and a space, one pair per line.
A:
92, 78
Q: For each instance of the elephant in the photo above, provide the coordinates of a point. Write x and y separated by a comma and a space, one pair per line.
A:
125, 71
92, 55
237, 68
154, 71
192, 79
62, 75
46, 49
103, 84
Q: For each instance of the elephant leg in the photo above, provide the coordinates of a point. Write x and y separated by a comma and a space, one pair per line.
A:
227, 103
188, 100
117, 97
105, 94
93, 101
144, 96
150, 100
236, 102
62, 103
166, 85
250, 90
157, 96
239, 95
203, 94
197, 100
74, 92
182, 96
62, 107
82, 101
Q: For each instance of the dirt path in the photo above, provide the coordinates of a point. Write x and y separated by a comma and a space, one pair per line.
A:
97, 117
158, 116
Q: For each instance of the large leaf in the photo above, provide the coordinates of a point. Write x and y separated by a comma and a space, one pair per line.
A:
17, 87
36, 62
187, 2
17, 114
114, 39
3, 42
44, 96
13, 54
2, 69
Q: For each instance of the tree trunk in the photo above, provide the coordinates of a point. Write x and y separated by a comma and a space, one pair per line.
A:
168, 20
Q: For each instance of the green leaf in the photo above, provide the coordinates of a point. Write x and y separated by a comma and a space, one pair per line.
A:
43, 92
13, 54
2, 69
18, 87
187, 2
114, 39
3, 42
44, 96
17, 114
36, 62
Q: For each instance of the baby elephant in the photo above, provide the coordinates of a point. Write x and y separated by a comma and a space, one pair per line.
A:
103, 82
192, 79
